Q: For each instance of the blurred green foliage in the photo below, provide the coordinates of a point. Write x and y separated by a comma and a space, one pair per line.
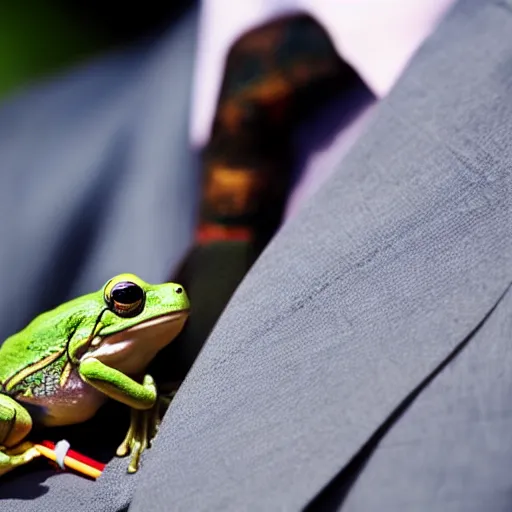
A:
39, 37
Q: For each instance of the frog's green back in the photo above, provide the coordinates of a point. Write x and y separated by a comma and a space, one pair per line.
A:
46, 335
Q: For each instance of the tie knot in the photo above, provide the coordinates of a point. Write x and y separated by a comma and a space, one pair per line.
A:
275, 72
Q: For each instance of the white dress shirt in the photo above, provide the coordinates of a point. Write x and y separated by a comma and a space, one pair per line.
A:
376, 37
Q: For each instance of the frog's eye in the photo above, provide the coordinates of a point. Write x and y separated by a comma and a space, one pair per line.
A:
125, 299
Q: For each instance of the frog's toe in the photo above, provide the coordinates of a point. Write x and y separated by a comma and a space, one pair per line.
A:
17, 456
123, 449
137, 449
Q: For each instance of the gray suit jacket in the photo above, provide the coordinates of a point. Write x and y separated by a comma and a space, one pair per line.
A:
365, 363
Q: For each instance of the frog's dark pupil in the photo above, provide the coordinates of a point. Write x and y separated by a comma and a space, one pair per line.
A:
127, 293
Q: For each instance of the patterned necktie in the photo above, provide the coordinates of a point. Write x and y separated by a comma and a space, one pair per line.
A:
276, 76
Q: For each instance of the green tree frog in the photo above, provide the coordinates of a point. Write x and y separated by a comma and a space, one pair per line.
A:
70, 360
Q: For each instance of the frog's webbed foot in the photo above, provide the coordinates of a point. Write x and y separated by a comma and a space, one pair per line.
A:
143, 428
11, 458
137, 438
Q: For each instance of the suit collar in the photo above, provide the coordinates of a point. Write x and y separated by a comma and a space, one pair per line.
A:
391, 266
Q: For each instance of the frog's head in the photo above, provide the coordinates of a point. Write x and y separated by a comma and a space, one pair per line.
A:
138, 319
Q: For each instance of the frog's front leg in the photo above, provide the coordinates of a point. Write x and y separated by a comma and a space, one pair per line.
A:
142, 398
15, 425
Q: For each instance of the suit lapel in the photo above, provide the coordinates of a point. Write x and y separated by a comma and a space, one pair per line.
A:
360, 297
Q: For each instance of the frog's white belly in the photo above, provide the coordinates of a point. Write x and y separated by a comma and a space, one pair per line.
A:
75, 402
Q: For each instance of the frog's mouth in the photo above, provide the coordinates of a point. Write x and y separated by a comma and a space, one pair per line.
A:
131, 350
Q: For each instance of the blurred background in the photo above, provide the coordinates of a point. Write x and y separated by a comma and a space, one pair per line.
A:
39, 38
